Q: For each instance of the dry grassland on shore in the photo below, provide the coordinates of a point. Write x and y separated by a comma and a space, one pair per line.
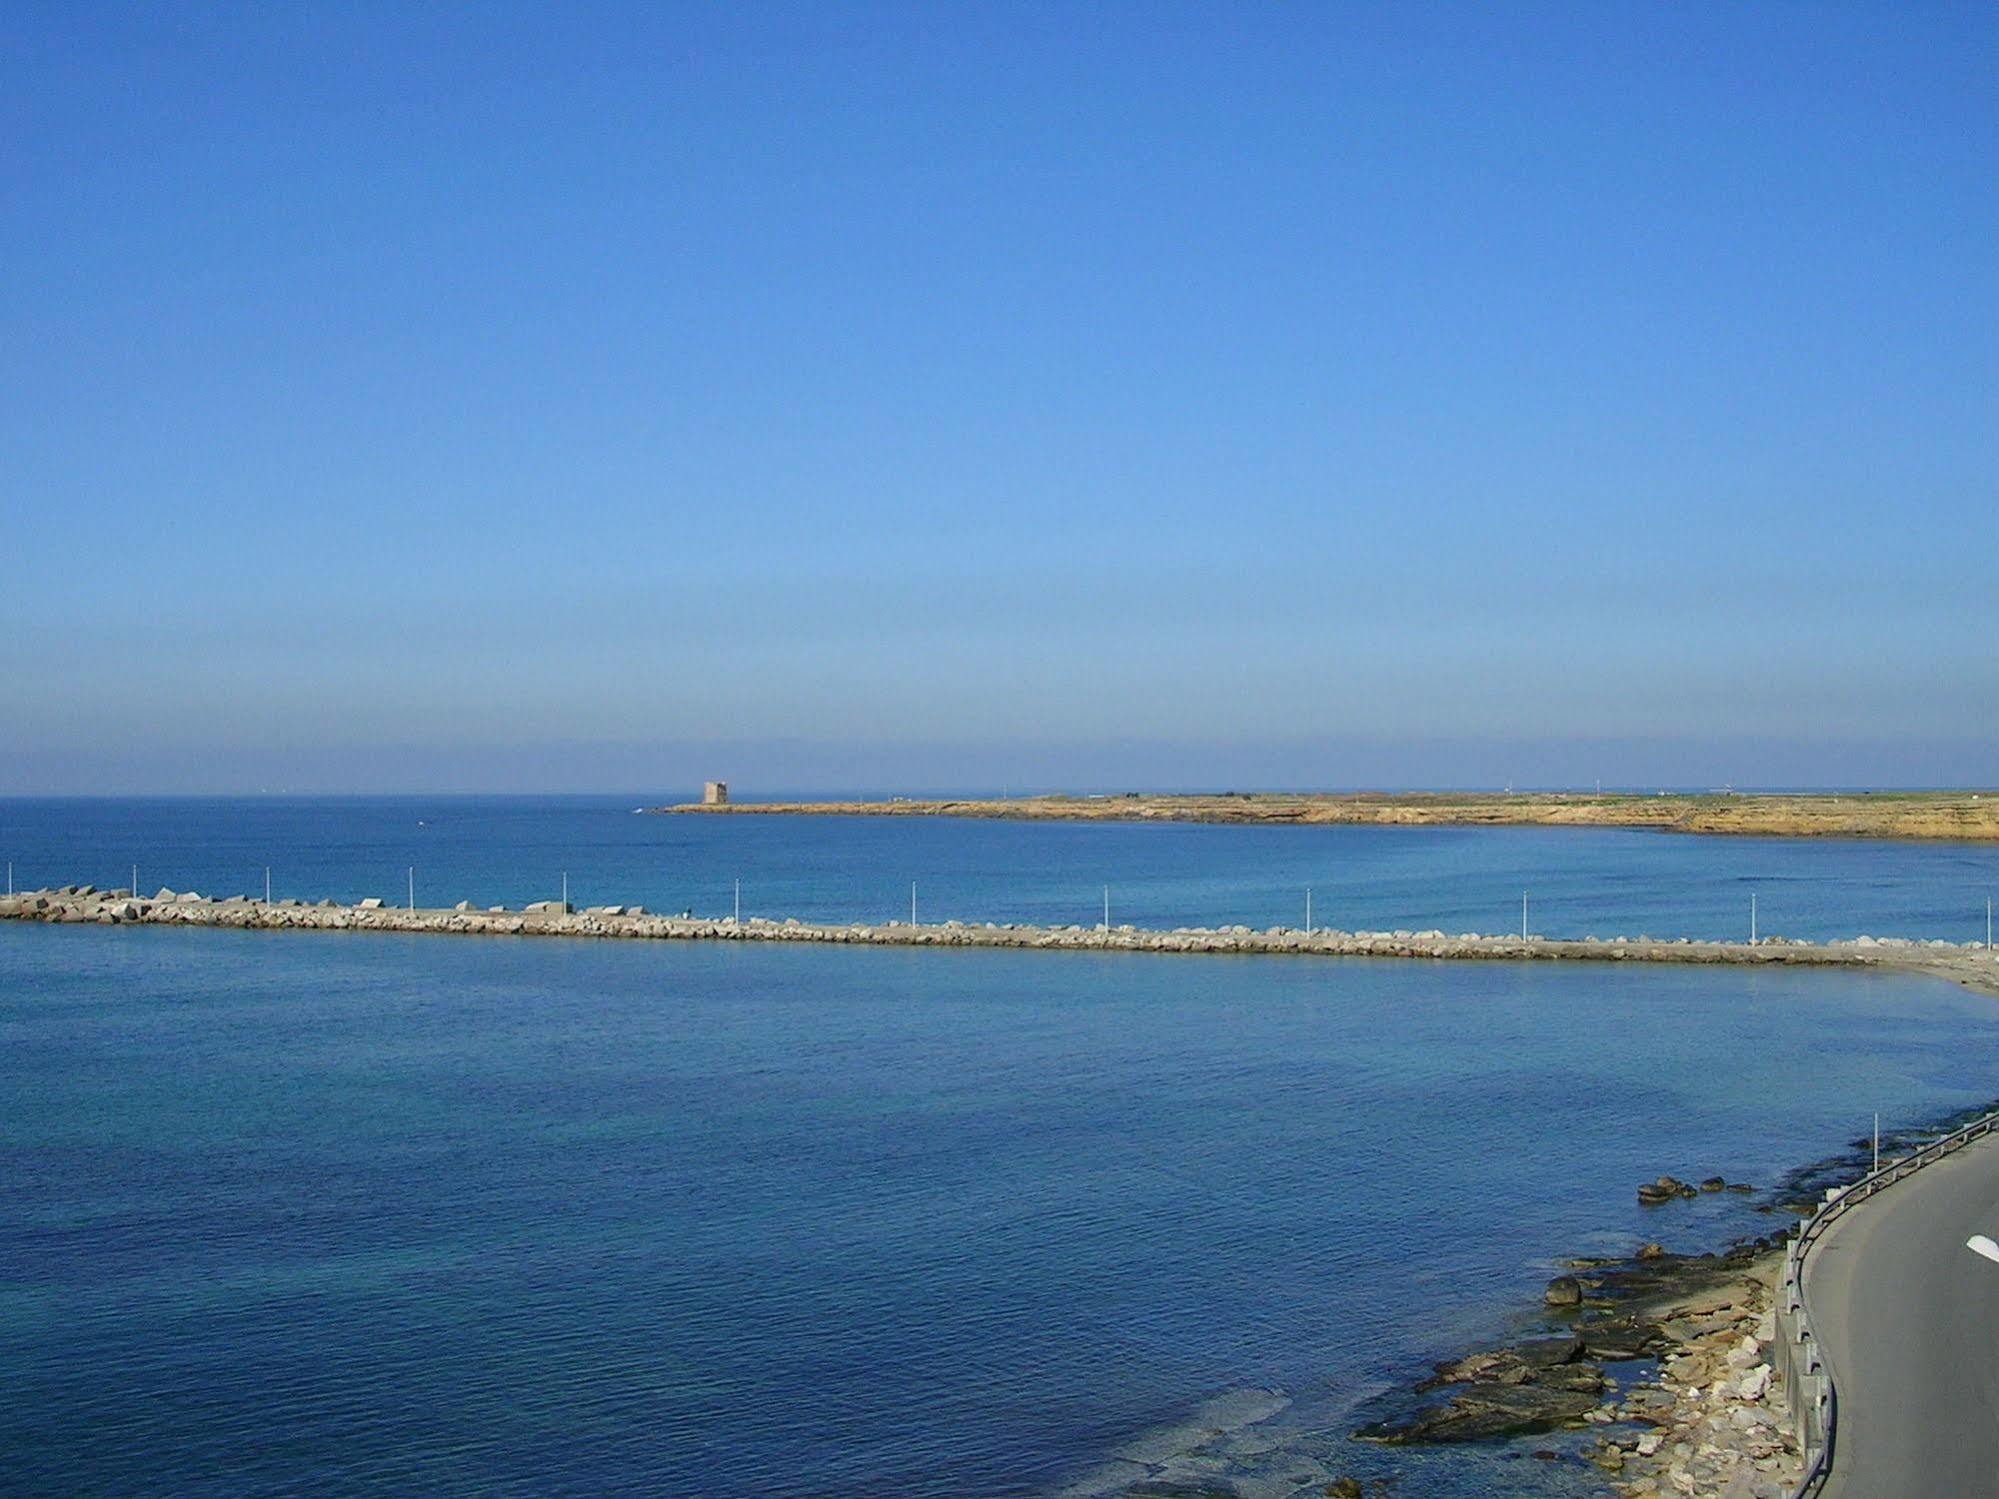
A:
1870, 814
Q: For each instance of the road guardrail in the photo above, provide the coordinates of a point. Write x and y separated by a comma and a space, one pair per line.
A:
1799, 1357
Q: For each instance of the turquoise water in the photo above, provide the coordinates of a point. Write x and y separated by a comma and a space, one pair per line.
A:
318, 1211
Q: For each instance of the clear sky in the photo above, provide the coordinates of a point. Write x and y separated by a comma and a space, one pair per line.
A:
557, 397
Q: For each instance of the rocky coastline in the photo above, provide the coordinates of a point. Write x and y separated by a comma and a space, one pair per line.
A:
1970, 964
1705, 1412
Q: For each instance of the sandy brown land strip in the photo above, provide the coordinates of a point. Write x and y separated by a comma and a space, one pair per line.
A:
1881, 814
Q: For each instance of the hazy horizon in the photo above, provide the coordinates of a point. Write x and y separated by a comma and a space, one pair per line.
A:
775, 770
508, 398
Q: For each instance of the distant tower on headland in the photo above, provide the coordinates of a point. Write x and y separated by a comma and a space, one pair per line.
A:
715, 794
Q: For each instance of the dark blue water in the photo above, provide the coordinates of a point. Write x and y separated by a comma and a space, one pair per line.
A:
336, 1212
511, 850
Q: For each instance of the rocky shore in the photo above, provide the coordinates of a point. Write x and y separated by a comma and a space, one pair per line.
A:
1970, 964
1705, 1414
1716, 1407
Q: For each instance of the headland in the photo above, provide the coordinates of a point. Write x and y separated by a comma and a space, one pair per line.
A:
1870, 814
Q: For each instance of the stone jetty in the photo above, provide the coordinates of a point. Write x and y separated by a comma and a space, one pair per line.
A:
1970, 964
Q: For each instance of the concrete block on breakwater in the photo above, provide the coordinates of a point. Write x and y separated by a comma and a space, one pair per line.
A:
1971, 964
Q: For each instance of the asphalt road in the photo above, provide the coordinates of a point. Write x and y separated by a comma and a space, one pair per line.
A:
1909, 1319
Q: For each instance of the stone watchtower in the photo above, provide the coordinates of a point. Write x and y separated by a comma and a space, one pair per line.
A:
715, 794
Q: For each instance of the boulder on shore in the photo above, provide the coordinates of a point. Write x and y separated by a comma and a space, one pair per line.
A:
1564, 1290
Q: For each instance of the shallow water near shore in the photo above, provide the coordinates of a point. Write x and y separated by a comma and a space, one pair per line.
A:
321, 1211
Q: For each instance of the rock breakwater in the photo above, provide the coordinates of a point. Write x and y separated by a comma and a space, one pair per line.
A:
1970, 964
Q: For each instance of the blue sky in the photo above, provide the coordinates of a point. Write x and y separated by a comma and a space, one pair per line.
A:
528, 397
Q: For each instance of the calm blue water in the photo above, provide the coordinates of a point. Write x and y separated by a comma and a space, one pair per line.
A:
288, 1211
512, 850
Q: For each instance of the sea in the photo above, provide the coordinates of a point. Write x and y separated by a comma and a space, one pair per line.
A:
342, 1213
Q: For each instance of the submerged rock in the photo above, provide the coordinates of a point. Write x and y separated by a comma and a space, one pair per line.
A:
1484, 1411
